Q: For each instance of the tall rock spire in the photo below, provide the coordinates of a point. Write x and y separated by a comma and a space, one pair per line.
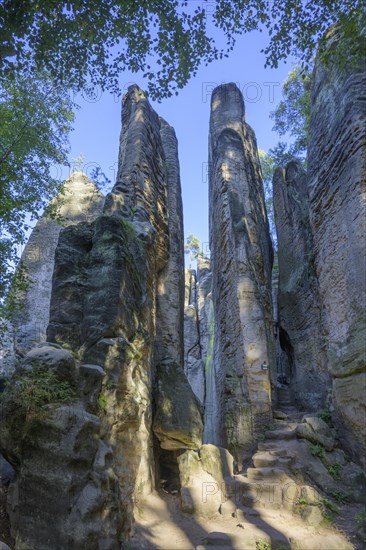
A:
117, 301
241, 261
79, 200
337, 194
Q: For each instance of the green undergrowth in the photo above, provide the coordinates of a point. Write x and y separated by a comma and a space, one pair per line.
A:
128, 228
28, 391
325, 415
339, 497
318, 451
334, 470
262, 544
331, 506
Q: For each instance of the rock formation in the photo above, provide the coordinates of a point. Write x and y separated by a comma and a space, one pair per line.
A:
198, 329
193, 363
151, 379
302, 363
337, 193
241, 261
80, 200
116, 285
320, 218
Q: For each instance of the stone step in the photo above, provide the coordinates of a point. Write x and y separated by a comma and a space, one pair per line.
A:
266, 492
265, 459
269, 446
281, 434
271, 473
283, 392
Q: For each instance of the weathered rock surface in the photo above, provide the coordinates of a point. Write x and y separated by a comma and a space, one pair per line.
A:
193, 363
117, 302
241, 261
302, 360
203, 474
177, 420
199, 344
80, 200
314, 429
337, 192
65, 493
55, 358
170, 292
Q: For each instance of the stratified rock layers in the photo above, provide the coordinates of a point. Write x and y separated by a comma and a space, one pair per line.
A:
80, 200
117, 304
337, 193
241, 261
198, 329
302, 358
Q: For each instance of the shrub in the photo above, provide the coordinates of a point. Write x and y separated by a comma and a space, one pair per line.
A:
339, 497
102, 401
331, 506
29, 390
262, 544
317, 450
325, 415
334, 470
361, 519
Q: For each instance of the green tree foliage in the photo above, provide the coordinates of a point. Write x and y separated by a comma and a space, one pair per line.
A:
35, 120
192, 247
94, 41
99, 178
267, 165
299, 28
292, 116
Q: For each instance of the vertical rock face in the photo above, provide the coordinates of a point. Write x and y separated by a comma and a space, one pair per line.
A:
337, 192
197, 326
302, 360
117, 302
241, 259
170, 302
79, 201
193, 363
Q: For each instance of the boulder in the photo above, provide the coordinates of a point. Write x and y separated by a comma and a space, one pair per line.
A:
228, 509
199, 501
312, 515
217, 461
314, 429
177, 421
54, 357
206, 474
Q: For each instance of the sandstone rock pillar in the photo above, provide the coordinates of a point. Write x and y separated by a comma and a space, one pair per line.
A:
337, 193
116, 284
80, 200
241, 261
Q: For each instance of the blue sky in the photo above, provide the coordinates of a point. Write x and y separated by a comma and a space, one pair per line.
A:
98, 121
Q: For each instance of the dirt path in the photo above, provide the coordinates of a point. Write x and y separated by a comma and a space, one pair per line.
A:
162, 526
270, 522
